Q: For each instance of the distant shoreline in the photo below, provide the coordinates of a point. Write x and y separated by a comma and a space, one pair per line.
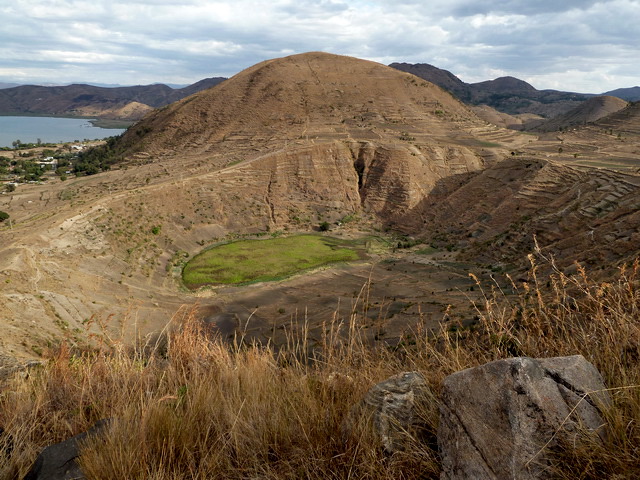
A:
107, 123
53, 129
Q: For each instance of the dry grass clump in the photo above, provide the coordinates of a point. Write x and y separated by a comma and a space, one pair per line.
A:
207, 409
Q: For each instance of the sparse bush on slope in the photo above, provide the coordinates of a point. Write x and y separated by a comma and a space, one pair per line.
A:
207, 409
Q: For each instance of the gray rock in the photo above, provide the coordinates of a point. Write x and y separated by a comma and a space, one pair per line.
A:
497, 420
396, 408
58, 462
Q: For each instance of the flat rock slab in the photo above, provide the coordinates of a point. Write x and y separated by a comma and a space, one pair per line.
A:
497, 420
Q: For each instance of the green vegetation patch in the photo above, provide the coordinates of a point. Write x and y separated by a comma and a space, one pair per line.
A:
249, 261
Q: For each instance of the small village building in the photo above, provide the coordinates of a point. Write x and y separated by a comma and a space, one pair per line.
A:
48, 162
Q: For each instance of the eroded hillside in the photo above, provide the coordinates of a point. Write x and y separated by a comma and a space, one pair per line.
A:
282, 147
574, 215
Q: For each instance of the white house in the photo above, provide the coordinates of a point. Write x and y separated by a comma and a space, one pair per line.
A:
49, 161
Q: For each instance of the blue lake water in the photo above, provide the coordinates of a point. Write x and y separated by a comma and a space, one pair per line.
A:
50, 130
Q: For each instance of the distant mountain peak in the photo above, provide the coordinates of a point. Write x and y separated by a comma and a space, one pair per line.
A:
507, 83
631, 94
506, 94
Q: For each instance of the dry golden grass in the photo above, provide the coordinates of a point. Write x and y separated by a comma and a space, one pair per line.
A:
201, 408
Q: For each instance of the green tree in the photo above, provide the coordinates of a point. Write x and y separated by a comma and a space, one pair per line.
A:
99, 158
29, 170
3, 216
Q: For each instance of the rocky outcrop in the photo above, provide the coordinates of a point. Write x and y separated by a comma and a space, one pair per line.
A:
499, 420
396, 408
394, 179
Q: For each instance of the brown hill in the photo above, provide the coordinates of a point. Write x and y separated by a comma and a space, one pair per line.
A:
442, 78
396, 133
522, 121
314, 98
506, 85
131, 111
591, 110
284, 146
626, 120
575, 215
610, 142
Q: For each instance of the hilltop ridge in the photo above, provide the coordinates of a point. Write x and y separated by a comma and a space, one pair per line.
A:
315, 96
89, 100
590, 111
507, 94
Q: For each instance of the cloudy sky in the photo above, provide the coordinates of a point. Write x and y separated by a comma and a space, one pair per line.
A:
576, 45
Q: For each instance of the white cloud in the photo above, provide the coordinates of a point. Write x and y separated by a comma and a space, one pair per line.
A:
578, 45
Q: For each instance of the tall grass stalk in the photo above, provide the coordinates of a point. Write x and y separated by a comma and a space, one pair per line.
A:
205, 408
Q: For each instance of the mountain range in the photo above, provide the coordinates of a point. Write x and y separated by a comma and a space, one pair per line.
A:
507, 95
126, 103
289, 144
629, 94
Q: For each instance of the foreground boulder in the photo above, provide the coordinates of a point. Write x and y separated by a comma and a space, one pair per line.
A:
498, 420
396, 408
58, 462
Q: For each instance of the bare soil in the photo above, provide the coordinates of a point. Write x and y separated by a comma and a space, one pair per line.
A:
287, 145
